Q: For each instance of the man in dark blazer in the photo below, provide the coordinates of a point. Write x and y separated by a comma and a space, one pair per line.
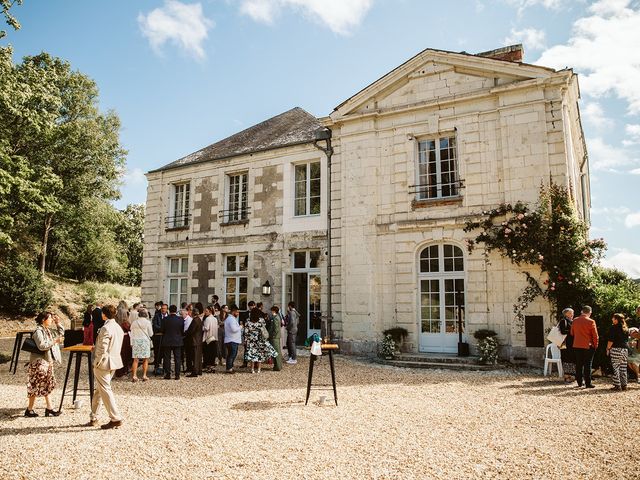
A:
98, 322
172, 330
193, 338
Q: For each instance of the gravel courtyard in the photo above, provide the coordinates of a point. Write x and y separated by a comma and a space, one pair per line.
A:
390, 423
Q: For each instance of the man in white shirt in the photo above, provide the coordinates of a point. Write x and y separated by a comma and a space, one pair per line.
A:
232, 337
106, 361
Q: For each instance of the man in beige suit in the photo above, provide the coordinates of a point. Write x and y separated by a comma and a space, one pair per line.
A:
106, 361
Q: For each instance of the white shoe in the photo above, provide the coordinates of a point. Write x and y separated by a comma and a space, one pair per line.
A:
291, 361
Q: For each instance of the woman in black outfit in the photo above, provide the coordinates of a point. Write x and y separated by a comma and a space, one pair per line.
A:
617, 350
566, 353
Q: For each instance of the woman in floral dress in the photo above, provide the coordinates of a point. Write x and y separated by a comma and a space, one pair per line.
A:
47, 338
258, 348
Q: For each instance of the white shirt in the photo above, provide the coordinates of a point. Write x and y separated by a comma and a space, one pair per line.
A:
210, 329
187, 322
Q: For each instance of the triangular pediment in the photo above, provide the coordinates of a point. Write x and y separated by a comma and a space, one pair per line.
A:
439, 74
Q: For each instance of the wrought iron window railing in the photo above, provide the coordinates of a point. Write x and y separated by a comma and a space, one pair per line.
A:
437, 190
178, 221
235, 215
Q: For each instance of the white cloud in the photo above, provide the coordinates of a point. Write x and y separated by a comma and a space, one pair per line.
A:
633, 131
134, 177
635, 171
479, 6
522, 5
532, 38
179, 23
624, 260
632, 220
607, 157
593, 114
604, 49
340, 16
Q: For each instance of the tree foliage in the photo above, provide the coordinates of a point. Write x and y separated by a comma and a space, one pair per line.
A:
551, 237
60, 167
9, 19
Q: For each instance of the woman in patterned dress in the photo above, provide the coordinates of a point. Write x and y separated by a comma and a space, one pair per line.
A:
567, 354
40, 367
141, 333
258, 348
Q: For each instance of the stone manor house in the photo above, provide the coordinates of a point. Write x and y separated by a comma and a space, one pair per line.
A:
412, 156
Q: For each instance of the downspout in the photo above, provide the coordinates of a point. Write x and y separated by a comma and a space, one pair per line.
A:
324, 134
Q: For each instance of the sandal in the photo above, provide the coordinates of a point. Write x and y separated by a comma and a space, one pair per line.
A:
134, 379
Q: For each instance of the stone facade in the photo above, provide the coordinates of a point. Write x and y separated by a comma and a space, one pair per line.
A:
515, 127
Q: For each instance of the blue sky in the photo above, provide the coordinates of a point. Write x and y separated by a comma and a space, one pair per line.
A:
182, 75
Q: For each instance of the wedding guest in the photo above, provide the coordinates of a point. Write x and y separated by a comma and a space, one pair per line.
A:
567, 354
194, 335
258, 347
224, 312
617, 350
107, 360
585, 342
215, 302
98, 322
634, 351
274, 337
162, 311
141, 333
292, 331
210, 338
232, 337
187, 349
87, 326
49, 334
133, 313
122, 313
172, 330
125, 349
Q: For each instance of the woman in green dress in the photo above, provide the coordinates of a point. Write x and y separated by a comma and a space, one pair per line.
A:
273, 325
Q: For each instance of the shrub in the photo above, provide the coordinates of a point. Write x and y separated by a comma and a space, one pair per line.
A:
488, 348
388, 347
24, 290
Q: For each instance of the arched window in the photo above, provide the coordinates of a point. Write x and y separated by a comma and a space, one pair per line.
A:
442, 292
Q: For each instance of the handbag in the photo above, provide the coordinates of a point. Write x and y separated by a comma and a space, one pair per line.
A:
29, 345
555, 336
265, 333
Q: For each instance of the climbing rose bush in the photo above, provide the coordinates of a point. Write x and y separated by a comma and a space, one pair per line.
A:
551, 237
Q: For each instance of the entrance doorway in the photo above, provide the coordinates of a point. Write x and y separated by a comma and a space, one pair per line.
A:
303, 286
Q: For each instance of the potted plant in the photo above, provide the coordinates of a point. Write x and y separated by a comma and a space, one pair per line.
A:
488, 346
388, 347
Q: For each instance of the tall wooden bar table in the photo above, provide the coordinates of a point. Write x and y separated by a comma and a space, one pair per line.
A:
79, 351
329, 348
17, 345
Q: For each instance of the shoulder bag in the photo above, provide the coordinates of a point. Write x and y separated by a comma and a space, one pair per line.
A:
29, 345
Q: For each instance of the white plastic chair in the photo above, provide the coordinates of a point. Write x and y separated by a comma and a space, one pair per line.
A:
550, 360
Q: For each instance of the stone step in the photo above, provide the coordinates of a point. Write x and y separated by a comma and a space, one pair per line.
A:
408, 357
440, 365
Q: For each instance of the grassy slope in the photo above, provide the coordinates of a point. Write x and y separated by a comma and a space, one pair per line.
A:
70, 299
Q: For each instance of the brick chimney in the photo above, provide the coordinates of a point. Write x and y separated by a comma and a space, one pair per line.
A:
512, 53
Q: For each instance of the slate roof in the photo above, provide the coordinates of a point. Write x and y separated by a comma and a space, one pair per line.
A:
293, 127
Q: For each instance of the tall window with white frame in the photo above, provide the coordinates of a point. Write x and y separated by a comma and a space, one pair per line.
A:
438, 168
237, 200
307, 189
179, 211
442, 288
178, 280
236, 280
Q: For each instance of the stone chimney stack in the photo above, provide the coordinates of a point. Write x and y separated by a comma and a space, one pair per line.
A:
512, 53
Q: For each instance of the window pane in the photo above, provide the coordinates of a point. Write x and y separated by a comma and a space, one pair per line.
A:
183, 286
231, 285
173, 286
231, 300
184, 265
242, 301
315, 188
173, 265
243, 260
301, 173
231, 263
299, 259
314, 170
314, 258
301, 206
243, 285
315, 206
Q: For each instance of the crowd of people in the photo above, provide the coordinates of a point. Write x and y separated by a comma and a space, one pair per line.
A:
124, 339
582, 339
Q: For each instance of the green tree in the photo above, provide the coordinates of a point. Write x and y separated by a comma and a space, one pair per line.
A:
130, 235
49, 118
10, 19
